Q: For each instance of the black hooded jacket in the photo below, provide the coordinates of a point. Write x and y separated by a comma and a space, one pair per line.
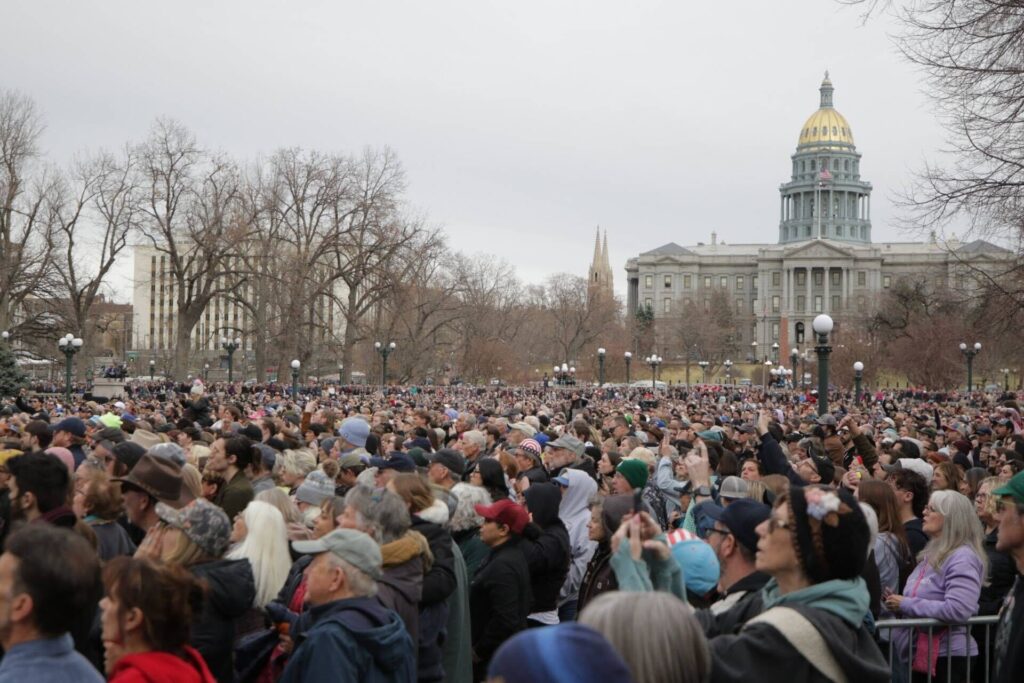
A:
230, 592
546, 546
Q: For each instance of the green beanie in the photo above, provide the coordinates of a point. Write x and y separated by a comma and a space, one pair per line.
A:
634, 471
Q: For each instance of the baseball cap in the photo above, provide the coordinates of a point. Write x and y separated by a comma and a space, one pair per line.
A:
522, 427
350, 460
1013, 488
71, 425
742, 518
398, 461
512, 515
204, 523
827, 419
450, 459
568, 442
912, 464
355, 547
733, 488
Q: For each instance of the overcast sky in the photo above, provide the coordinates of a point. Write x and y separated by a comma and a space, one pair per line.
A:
522, 125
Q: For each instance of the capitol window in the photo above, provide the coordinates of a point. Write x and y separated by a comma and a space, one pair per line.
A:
886, 281
801, 277
666, 306
775, 304
668, 282
707, 282
819, 278
834, 131
723, 281
862, 278
687, 281
739, 282
648, 281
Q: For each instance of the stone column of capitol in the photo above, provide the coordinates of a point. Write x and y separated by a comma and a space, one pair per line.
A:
824, 260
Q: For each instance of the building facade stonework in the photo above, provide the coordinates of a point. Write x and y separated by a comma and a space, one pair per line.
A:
824, 261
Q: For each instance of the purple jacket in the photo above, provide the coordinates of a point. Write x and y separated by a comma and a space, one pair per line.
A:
950, 595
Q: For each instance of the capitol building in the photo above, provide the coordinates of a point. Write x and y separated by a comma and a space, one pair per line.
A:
824, 260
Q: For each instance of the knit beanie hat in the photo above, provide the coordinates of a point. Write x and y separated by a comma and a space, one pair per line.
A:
564, 653
315, 488
831, 533
635, 472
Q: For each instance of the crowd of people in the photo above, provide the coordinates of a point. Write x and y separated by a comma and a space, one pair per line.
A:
228, 533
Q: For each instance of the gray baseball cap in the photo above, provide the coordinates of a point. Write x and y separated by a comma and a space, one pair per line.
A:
568, 442
355, 547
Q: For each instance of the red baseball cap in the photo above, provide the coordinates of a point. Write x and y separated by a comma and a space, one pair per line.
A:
512, 515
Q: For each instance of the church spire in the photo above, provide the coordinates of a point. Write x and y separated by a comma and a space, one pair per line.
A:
605, 263
597, 249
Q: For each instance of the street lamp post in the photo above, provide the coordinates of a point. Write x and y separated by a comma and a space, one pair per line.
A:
822, 325
728, 371
572, 376
206, 372
858, 375
654, 360
231, 345
384, 350
295, 378
1006, 379
969, 353
70, 345
775, 351
753, 350
600, 366
793, 356
629, 358
341, 371
704, 369
152, 369
764, 370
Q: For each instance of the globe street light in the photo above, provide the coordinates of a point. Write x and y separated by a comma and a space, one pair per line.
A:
793, 355
295, 378
728, 371
629, 358
384, 350
231, 345
822, 326
858, 375
753, 350
969, 354
704, 369
775, 351
1006, 379
152, 369
764, 369
600, 366
654, 360
206, 372
70, 345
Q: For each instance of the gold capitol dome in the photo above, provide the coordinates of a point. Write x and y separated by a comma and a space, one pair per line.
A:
826, 128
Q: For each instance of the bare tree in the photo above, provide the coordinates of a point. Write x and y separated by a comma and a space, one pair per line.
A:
26, 244
92, 212
193, 215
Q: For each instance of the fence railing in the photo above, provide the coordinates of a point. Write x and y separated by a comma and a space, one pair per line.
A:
956, 669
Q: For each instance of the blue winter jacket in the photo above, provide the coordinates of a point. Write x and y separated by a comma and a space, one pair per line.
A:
356, 640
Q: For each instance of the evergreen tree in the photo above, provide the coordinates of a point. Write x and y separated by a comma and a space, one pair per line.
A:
12, 379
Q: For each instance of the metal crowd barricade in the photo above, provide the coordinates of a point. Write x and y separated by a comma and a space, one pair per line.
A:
978, 669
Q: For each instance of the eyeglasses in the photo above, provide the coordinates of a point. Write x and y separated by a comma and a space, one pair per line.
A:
724, 532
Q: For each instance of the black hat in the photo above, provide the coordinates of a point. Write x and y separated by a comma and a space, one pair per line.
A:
831, 533
826, 470
741, 517
451, 459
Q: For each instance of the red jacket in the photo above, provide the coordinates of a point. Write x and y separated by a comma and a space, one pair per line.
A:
162, 667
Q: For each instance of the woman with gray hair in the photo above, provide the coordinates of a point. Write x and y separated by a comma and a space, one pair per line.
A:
465, 525
945, 585
384, 516
654, 633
